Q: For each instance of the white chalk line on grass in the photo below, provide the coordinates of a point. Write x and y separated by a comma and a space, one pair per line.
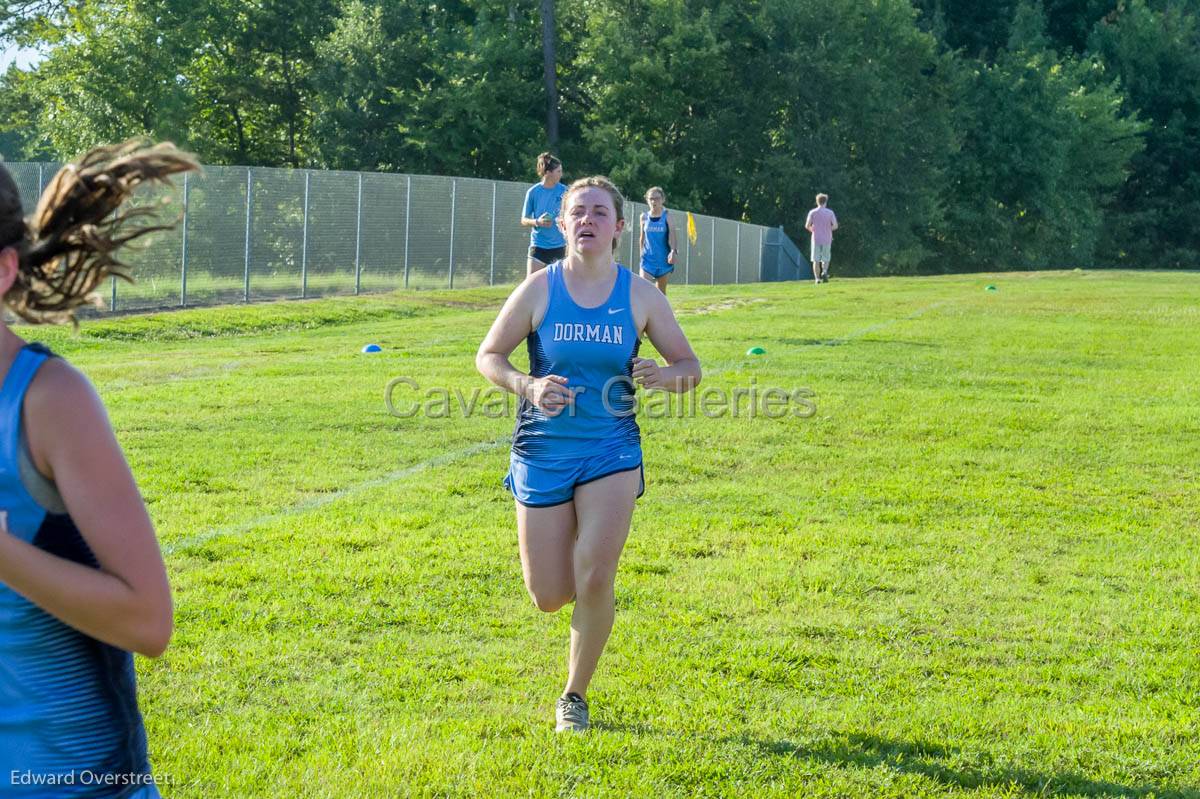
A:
199, 372
882, 325
442, 460
327, 499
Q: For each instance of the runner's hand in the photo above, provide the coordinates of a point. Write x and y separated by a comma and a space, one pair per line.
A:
550, 393
648, 373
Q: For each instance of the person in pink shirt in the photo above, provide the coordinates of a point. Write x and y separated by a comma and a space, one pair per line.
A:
821, 223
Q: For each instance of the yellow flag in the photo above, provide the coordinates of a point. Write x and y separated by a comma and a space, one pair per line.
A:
691, 228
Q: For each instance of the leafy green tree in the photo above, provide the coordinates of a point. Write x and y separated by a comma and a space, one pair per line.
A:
444, 89
369, 68
1045, 147
649, 91
982, 30
749, 109
249, 72
486, 111
1156, 55
978, 29
106, 76
19, 129
950, 135
227, 79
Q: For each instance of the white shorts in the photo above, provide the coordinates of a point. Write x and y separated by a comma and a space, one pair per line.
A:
820, 252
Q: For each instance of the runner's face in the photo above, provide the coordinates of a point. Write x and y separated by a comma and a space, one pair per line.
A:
554, 175
655, 201
590, 223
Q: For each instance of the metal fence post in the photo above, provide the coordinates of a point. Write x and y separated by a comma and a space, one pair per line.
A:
304, 240
737, 255
358, 240
492, 269
407, 217
453, 199
41, 181
760, 255
712, 271
183, 255
779, 254
633, 234
766, 237
249, 194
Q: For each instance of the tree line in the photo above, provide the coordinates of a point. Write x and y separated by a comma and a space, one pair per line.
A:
951, 135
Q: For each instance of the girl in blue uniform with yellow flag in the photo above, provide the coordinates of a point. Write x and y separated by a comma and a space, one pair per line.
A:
657, 237
82, 581
576, 464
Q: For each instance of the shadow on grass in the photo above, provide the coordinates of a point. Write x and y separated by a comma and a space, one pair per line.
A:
929, 760
841, 342
926, 759
646, 730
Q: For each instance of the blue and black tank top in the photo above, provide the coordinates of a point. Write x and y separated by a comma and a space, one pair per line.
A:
594, 349
69, 720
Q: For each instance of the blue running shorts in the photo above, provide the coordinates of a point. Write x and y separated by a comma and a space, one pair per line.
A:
546, 483
657, 270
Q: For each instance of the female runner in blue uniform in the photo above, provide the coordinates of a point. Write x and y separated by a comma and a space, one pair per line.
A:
82, 581
657, 237
541, 211
576, 465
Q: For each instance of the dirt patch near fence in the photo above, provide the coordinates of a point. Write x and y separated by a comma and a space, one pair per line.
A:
723, 305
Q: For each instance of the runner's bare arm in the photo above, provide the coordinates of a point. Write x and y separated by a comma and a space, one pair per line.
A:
682, 372
127, 601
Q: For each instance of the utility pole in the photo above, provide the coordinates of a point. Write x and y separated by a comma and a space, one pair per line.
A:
548, 73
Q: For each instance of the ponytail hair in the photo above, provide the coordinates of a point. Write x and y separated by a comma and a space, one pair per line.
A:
546, 162
68, 246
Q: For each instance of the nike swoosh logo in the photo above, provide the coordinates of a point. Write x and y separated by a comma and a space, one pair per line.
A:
612, 311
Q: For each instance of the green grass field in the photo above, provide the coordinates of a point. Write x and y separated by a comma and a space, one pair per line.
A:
973, 572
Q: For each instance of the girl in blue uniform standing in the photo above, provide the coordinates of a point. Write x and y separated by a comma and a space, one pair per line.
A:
82, 581
541, 211
657, 238
576, 464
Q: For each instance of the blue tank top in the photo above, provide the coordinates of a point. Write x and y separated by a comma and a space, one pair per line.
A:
541, 200
657, 242
68, 703
594, 349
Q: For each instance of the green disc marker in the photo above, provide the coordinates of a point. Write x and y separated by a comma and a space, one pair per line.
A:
991, 288
756, 351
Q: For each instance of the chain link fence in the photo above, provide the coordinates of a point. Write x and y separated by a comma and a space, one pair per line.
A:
255, 233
